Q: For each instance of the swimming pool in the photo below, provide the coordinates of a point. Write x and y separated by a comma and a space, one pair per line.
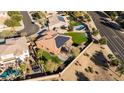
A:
9, 72
79, 27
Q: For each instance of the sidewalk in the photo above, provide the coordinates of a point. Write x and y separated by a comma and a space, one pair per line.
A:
92, 25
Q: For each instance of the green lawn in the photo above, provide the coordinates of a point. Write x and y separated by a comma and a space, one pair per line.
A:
47, 55
56, 59
77, 38
50, 57
74, 23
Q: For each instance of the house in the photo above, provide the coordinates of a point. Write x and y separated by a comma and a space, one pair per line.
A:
52, 42
13, 50
3, 16
49, 13
57, 21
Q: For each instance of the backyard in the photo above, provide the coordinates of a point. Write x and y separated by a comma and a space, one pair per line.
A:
47, 56
90, 66
50, 62
77, 37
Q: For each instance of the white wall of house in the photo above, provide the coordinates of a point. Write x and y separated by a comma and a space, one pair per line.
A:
22, 57
3, 57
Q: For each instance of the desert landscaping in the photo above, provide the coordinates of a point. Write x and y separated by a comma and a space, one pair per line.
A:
98, 68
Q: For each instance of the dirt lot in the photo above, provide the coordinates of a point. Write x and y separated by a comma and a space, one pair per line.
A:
97, 61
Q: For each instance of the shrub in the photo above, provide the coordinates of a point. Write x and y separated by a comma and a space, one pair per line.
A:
96, 41
11, 23
115, 62
77, 14
86, 70
93, 29
28, 70
14, 20
86, 54
11, 13
17, 17
7, 33
63, 27
23, 34
70, 28
23, 67
122, 24
90, 69
96, 72
36, 16
110, 56
0, 70
103, 41
86, 16
95, 33
51, 66
75, 51
102, 47
121, 69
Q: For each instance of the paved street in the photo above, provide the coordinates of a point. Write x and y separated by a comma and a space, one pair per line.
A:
29, 28
115, 38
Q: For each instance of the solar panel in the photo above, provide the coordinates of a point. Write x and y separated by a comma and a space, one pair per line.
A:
60, 40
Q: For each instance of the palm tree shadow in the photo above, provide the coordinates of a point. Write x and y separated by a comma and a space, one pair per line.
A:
81, 76
99, 59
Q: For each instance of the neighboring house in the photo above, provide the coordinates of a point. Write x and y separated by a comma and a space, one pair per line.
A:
49, 13
56, 21
52, 42
13, 50
3, 16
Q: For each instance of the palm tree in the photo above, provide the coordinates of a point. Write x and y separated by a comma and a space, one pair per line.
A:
41, 65
39, 61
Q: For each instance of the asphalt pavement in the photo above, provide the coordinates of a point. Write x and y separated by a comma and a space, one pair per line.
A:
29, 27
115, 37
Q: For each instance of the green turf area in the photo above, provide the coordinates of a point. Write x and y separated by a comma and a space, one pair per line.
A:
77, 38
47, 55
56, 59
74, 23
50, 57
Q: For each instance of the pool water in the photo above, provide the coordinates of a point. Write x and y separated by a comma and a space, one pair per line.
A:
9, 72
79, 27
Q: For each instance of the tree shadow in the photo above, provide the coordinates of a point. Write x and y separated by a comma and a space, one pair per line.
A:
112, 25
81, 76
101, 14
99, 59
